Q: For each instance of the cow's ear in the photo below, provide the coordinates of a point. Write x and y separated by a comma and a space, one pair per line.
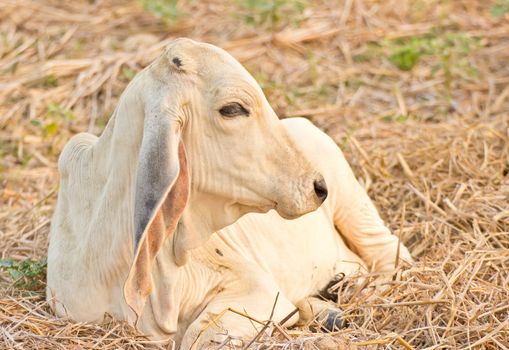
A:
161, 194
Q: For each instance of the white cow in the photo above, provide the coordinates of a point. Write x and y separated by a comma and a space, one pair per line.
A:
192, 147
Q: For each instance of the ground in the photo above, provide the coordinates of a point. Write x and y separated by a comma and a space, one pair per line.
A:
415, 92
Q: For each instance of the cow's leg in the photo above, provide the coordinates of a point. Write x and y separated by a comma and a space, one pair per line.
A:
237, 318
320, 310
320, 313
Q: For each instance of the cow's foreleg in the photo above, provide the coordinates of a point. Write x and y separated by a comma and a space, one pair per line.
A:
237, 319
320, 314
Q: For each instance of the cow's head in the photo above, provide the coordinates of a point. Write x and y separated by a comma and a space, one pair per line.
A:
212, 150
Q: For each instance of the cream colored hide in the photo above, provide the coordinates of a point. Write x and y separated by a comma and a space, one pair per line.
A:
193, 146
245, 265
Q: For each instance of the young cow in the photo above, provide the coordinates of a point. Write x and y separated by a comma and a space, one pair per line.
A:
193, 146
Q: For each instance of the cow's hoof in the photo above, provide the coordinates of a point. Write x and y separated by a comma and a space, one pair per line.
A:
332, 320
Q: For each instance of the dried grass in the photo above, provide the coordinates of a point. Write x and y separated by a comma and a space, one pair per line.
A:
430, 145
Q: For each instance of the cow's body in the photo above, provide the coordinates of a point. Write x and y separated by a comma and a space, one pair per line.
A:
245, 265
192, 146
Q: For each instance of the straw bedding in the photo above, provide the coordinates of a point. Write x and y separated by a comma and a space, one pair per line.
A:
415, 92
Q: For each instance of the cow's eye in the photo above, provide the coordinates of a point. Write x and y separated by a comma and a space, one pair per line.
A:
233, 109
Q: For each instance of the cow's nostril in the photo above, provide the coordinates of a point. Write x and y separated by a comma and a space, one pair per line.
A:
320, 189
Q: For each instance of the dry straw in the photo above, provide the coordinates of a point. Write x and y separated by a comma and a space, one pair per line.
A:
429, 143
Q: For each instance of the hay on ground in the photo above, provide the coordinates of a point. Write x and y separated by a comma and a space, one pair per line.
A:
415, 92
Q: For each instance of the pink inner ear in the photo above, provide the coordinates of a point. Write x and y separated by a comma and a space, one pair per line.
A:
176, 201
138, 285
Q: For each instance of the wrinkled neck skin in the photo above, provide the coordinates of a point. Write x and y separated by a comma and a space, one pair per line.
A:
198, 222
176, 300
91, 245
114, 161
204, 214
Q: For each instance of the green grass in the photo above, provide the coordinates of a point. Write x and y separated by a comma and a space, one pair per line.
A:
26, 274
449, 48
51, 124
50, 81
401, 118
405, 57
167, 10
446, 47
128, 73
271, 12
500, 8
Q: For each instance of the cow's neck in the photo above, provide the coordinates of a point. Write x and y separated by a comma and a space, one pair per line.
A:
114, 159
179, 294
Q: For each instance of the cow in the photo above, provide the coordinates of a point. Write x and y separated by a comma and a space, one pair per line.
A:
196, 199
